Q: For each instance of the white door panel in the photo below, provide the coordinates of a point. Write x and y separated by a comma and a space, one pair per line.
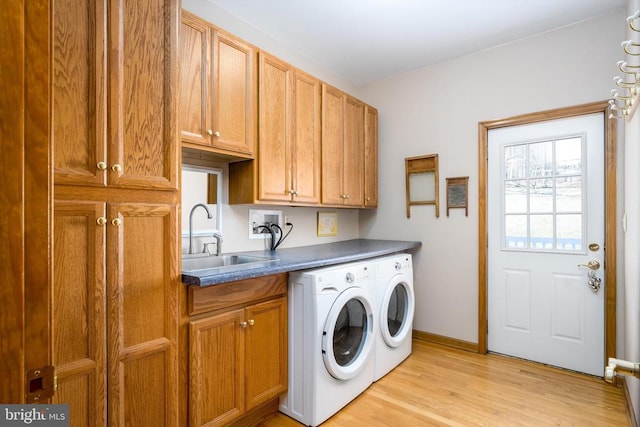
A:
545, 207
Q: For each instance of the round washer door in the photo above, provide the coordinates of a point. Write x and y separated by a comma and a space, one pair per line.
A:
396, 311
347, 337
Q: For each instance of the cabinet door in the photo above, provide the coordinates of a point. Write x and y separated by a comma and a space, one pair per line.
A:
306, 142
266, 351
195, 81
216, 365
143, 314
234, 94
370, 157
332, 151
143, 149
274, 145
78, 112
78, 311
353, 152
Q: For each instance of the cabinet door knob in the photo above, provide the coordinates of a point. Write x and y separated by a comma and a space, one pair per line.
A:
243, 324
216, 133
252, 322
116, 168
116, 221
209, 131
101, 220
101, 166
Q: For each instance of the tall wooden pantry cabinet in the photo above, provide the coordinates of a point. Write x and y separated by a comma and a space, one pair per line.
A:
116, 287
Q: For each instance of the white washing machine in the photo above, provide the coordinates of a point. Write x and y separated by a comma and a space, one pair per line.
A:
331, 340
395, 306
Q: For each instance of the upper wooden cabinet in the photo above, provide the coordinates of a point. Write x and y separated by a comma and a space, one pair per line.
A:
275, 87
78, 92
289, 136
287, 169
370, 157
307, 149
316, 145
113, 102
342, 148
217, 108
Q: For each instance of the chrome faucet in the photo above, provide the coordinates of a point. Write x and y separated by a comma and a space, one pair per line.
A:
218, 236
191, 223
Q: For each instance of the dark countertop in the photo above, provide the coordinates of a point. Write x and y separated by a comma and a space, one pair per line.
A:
303, 258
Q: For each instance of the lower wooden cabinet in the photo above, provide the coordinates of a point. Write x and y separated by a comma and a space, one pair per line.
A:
116, 292
237, 355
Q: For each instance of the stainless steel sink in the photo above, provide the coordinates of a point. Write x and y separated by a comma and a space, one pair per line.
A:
203, 264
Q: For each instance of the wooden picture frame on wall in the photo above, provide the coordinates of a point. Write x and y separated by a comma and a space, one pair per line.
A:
421, 174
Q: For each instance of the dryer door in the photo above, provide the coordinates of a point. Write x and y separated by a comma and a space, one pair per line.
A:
347, 337
396, 311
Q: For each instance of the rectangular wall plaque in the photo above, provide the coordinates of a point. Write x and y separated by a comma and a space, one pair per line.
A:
458, 194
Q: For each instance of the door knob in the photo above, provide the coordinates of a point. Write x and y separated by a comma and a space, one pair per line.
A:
591, 265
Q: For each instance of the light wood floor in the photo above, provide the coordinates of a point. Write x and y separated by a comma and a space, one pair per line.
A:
441, 386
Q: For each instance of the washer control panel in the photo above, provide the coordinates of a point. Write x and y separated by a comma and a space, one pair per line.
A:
357, 274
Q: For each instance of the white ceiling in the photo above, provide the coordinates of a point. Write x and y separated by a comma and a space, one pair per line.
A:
367, 40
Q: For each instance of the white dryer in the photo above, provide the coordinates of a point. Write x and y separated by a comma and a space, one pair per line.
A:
331, 340
395, 306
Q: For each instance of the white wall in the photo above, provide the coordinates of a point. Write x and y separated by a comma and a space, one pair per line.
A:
632, 248
437, 110
632, 240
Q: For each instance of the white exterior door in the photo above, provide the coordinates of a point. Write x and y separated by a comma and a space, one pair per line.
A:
546, 219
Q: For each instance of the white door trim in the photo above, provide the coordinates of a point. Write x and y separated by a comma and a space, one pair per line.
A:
610, 215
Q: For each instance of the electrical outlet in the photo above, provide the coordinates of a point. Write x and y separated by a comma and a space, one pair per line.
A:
259, 217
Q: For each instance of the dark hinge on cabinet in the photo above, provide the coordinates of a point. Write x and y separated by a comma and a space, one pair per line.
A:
40, 384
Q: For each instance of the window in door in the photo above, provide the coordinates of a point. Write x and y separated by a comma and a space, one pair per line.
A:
543, 195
